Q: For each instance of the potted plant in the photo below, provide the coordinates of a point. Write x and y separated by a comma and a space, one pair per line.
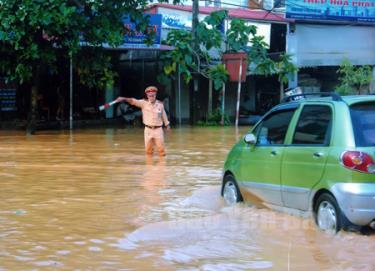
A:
237, 39
232, 62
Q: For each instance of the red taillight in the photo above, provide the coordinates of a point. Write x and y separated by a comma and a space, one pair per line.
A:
357, 160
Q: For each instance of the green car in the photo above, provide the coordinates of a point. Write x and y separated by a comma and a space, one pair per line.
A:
314, 155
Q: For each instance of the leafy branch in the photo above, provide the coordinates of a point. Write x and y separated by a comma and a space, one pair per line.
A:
238, 37
353, 79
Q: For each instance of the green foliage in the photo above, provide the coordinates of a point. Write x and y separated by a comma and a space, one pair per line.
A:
95, 74
215, 119
285, 67
216, 18
187, 60
353, 79
209, 27
180, 57
258, 56
25, 29
36, 34
219, 75
238, 35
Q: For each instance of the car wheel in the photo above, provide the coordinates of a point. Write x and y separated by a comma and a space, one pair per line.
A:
231, 193
328, 214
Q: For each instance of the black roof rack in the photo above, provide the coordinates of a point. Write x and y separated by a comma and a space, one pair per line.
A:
335, 96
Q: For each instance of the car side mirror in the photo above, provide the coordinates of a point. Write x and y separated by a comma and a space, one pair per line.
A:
250, 139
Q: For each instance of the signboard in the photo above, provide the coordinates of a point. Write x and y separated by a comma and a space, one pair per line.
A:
337, 10
137, 39
178, 19
174, 21
8, 92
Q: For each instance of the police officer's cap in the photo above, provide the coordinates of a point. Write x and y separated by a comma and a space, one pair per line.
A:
151, 89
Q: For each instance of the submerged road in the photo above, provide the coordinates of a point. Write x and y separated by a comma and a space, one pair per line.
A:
91, 200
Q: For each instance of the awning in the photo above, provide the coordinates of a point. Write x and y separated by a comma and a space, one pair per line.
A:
129, 46
161, 47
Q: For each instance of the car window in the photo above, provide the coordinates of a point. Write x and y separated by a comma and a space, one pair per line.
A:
313, 126
363, 119
272, 130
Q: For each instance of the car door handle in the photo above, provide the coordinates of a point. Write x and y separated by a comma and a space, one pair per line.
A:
273, 153
318, 154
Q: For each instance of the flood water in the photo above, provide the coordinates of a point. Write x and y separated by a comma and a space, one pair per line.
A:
91, 200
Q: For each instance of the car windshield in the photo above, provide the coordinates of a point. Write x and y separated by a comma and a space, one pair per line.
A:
363, 118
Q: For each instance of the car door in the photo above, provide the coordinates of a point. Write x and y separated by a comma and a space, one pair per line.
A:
260, 167
305, 158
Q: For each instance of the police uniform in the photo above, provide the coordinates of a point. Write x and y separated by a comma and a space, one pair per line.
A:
154, 116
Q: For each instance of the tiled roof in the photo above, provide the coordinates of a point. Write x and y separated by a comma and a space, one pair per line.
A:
248, 14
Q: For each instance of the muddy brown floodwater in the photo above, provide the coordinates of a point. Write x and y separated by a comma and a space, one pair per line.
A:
91, 200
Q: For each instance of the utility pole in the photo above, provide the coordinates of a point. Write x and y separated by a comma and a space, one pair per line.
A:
195, 45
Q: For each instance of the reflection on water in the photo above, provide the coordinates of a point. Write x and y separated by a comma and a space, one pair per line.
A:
92, 200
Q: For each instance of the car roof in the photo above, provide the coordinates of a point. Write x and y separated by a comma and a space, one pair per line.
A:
330, 96
358, 98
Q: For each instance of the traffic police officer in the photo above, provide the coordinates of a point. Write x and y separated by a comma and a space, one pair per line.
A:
154, 116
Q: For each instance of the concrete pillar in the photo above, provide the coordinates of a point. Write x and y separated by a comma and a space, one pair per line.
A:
292, 49
109, 96
372, 84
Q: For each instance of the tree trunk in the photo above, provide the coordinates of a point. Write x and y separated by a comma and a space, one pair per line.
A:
222, 122
33, 111
209, 106
195, 45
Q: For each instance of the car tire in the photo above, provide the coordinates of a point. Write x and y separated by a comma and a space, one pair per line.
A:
328, 216
230, 192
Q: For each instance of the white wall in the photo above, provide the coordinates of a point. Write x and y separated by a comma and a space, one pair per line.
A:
328, 45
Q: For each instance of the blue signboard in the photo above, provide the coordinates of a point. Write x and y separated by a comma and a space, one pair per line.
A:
181, 21
136, 38
8, 91
339, 10
177, 21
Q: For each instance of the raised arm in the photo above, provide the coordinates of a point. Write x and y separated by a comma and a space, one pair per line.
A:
124, 99
132, 101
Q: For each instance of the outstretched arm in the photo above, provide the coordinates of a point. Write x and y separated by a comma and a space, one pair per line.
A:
124, 99
132, 101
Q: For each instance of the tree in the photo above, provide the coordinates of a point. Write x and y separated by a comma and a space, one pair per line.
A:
353, 79
36, 34
191, 61
236, 39
284, 68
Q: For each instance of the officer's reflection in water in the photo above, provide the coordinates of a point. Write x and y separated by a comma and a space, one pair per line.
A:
155, 173
152, 183
154, 116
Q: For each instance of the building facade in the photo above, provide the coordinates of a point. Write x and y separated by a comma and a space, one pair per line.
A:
323, 34
257, 93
